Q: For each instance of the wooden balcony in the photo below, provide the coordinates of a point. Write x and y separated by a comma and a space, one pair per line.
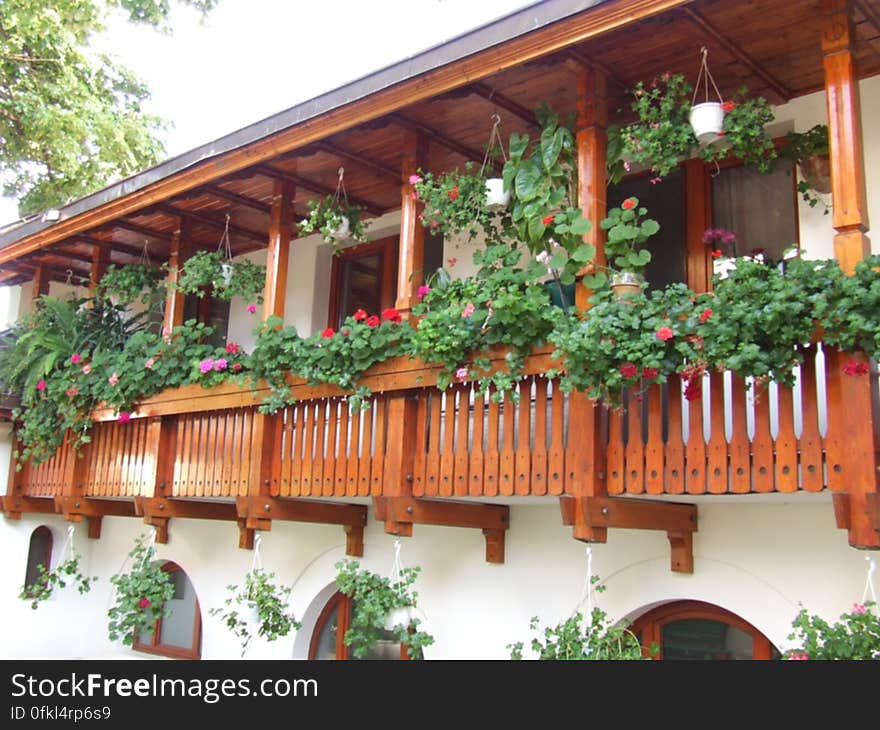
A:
414, 441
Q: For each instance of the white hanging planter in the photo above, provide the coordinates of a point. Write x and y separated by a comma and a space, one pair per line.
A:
226, 273
497, 198
342, 230
252, 614
707, 121
402, 617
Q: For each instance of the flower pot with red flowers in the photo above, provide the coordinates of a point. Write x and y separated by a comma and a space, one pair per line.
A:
140, 593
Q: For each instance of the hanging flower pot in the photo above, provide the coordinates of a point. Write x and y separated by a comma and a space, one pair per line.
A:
226, 273
816, 170
626, 283
707, 121
497, 198
342, 230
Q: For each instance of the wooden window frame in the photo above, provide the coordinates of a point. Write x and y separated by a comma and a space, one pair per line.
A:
45, 560
174, 652
650, 625
388, 248
343, 621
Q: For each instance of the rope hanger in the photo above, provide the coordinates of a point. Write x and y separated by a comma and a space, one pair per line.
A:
705, 76
494, 140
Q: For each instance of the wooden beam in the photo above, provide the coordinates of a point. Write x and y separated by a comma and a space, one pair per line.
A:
849, 202
314, 187
591, 141
179, 251
278, 254
360, 159
56, 251
220, 225
678, 520
870, 14
483, 89
598, 20
258, 511
697, 219
111, 245
143, 230
41, 282
411, 252
74, 508
15, 505
400, 513
781, 93
583, 59
433, 135
231, 197
100, 261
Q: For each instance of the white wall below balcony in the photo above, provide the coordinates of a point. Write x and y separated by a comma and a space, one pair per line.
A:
757, 557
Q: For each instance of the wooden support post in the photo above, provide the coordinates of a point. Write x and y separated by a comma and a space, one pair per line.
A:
411, 252
100, 261
178, 253
849, 203
41, 282
401, 414
585, 463
256, 512
280, 230
852, 447
677, 520
591, 140
699, 214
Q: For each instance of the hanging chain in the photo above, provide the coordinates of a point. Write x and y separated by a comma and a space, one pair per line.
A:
706, 77
494, 139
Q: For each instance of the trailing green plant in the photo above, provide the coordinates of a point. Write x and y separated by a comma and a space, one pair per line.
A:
131, 283
461, 319
856, 635
663, 135
226, 278
848, 308
334, 219
140, 595
801, 148
631, 342
455, 202
259, 595
627, 234
576, 638
66, 572
375, 601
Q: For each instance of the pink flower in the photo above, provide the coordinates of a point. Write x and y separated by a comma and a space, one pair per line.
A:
799, 656
655, 180
855, 368
451, 262
206, 365
75, 358
628, 370
705, 315
423, 291
87, 368
346, 332
220, 364
41, 385
252, 308
149, 363
859, 608
70, 392
236, 367
468, 310
124, 417
113, 379
145, 603
415, 179
232, 348
665, 333
461, 373
626, 166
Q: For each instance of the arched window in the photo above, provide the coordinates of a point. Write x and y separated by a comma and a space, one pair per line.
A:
179, 633
39, 553
699, 630
330, 628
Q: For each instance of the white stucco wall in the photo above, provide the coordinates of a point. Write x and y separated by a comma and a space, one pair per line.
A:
757, 557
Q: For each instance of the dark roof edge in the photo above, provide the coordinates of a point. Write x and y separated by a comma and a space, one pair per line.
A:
490, 34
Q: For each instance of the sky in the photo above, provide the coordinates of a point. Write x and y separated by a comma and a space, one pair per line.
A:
253, 58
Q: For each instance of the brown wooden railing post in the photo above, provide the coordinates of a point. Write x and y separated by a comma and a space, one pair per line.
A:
849, 210
410, 269
592, 120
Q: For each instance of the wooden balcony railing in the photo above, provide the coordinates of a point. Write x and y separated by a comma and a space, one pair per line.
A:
214, 443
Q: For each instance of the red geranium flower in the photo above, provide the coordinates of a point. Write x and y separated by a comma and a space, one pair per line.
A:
665, 333
649, 373
629, 203
232, 348
453, 194
728, 106
145, 602
360, 315
628, 370
372, 321
855, 368
705, 315
548, 219
716, 254
328, 333
392, 315
694, 388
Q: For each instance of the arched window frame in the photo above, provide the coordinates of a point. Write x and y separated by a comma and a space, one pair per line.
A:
41, 556
343, 621
175, 652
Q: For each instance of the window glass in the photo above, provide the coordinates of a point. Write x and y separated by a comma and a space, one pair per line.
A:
361, 285
39, 553
178, 632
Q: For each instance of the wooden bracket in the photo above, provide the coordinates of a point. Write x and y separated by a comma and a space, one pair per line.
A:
590, 517
400, 514
157, 511
14, 506
845, 506
257, 512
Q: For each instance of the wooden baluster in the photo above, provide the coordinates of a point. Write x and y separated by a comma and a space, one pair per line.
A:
380, 433
616, 452
309, 437
740, 459
447, 460
556, 455
354, 455
475, 487
506, 463
539, 448
341, 467
522, 462
674, 441
493, 458
634, 470
330, 460
810, 444
462, 450
366, 461
786, 444
654, 447
762, 445
717, 474
695, 449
